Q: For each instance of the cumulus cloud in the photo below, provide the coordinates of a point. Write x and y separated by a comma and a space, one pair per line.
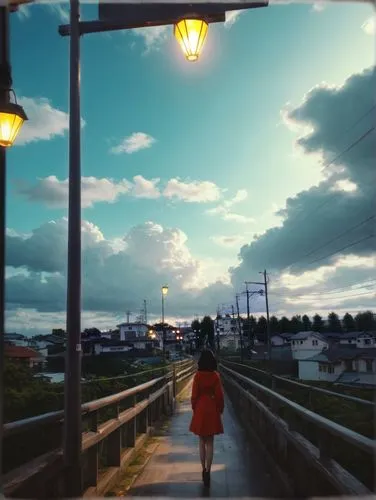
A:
224, 209
54, 192
134, 143
333, 219
45, 121
192, 191
112, 277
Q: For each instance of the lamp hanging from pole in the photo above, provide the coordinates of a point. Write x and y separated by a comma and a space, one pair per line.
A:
12, 117
190, 35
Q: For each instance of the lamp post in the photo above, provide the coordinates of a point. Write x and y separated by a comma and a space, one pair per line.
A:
164, 291
190, 32
12, 117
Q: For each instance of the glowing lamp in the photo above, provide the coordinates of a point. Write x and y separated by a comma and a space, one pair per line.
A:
190, 35
164, 290
12, 116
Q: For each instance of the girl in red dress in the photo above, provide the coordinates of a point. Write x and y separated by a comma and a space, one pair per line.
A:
207, 405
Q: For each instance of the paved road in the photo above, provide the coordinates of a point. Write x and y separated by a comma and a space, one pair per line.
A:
175, 471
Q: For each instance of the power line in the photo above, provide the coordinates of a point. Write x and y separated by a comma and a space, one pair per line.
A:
334, 290
328, 200
343, 248
368, 219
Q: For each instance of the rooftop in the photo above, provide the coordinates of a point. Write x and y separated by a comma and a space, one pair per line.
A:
15, 351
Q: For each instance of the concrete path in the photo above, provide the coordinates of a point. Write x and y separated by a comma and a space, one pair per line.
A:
239, 470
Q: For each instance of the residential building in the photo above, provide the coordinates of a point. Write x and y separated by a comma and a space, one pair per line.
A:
26, 355
133, 330
345, 365
307, 344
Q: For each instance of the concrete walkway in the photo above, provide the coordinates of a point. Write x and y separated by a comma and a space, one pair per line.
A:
174, 470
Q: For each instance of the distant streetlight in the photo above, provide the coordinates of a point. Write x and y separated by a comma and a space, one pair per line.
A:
190, 35
164, 290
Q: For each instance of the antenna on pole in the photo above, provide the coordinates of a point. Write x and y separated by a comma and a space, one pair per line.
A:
128, 316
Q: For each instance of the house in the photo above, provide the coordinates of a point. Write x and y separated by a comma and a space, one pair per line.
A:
307, 344
133, 330
22, 354
345, 365
277, 340
366, 340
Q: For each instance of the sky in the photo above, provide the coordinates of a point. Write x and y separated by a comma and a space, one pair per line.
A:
196, 175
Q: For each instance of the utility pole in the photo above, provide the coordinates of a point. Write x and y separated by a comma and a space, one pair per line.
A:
145, 312
248, 322
240, 328
265, 285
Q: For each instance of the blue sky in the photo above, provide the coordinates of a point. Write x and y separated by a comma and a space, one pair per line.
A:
210, 131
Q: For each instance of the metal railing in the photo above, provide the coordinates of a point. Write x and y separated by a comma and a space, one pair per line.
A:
114, 427
296, 435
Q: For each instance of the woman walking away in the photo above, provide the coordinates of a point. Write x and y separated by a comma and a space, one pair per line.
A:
207, 405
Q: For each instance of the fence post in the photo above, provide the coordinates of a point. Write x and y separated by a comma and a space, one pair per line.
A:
174, 381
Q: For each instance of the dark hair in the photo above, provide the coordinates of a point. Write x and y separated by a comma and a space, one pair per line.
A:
207, 361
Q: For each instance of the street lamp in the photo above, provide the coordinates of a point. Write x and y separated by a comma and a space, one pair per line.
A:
164, 291
190, 35
112, 17
12, 117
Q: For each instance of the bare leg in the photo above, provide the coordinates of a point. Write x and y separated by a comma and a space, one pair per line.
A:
209, 452
202, 452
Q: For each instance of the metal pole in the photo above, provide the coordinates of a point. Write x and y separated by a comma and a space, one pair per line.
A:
240, 329
5, 85
72, 406
267, 314
249, 326
163, 330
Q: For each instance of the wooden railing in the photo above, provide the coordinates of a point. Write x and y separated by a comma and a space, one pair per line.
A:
312, 455
114, 428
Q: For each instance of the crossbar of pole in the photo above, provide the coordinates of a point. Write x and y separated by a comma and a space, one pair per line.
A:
89, 27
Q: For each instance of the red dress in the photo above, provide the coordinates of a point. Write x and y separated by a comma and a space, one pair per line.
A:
207, 404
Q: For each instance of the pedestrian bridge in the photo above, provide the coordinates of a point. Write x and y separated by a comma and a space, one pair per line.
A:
272, 447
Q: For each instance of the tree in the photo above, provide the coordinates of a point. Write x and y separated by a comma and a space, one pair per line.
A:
318, 324
365, 321
296, 324
334, 324
59, 332
307, 323
249, 327
273, 323
207, 330
348, 323
261, 328
284, 325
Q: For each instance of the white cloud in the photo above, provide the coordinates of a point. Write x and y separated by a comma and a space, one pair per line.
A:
116, 274
228, 241
369, 26
231, 17
54, 193
58, 10
223, 210
344, 185
193, 191
319, 6
144, 188
133, 143
23, 12
45, 122
153, 37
